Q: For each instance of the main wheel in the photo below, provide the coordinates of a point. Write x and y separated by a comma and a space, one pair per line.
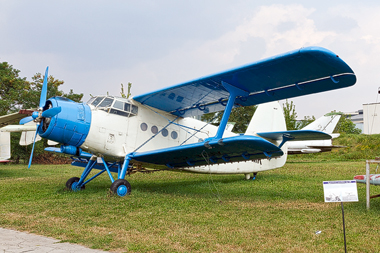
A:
121, 187
72, 183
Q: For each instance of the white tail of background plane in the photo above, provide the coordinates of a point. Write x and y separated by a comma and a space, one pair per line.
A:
326, 123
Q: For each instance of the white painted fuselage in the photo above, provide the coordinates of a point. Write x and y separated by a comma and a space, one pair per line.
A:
113, 135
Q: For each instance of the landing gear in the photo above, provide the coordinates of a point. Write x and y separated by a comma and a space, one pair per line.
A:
121, 187
248, 176
72, 184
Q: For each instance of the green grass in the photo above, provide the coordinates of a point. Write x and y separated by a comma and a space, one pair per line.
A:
182, 212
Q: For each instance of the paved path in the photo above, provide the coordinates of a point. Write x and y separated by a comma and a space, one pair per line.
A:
16, 242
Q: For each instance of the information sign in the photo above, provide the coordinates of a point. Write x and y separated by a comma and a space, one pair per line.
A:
340, 191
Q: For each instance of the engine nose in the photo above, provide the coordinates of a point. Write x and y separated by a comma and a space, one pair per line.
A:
70, 126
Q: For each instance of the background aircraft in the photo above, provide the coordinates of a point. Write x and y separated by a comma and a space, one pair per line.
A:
5, 129
326, 124
155, 130
373, 179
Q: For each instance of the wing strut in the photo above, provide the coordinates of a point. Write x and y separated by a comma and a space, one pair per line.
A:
234, 92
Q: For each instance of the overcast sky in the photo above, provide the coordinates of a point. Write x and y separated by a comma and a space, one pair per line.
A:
94, 46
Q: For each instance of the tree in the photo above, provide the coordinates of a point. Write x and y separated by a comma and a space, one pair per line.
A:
35, 87
305, 121
13, 89
122, 93
241, 116
291, 117
345, 125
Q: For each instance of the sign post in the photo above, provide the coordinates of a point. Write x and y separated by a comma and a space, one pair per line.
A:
341, 191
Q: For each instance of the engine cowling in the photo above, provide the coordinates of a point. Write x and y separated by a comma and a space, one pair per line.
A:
70, 126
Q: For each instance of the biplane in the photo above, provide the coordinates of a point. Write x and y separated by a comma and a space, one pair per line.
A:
158, 130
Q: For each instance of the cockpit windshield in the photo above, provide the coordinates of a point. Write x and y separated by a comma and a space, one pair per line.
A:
114, 105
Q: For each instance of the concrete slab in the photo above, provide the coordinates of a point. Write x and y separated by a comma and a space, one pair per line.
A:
12, 241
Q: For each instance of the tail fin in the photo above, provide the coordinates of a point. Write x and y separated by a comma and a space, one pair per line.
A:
269, 117
325, 123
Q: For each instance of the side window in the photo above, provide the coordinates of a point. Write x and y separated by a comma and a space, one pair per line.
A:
144, 126
134, 109
154, 129
174, 135
164, 132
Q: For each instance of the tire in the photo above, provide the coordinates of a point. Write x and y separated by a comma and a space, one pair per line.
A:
121, 187
73, 182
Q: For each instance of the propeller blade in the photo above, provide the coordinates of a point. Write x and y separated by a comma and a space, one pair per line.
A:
26, 120
44, 89
51, 112
34, 142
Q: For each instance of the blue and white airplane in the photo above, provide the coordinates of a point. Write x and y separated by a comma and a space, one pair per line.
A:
157, 130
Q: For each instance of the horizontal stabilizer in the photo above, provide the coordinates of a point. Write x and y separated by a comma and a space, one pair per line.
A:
232, 149
296, 135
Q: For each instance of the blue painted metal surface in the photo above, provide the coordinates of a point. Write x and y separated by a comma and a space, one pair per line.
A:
234, 92
44, 89
297, 73
233, 149
71, 125
61, 150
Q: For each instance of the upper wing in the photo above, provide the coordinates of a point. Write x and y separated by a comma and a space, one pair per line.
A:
297, 73
232, 149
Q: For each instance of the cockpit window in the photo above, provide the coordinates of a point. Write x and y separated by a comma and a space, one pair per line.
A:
124, 108
91, 100
107, 102
97, 101
118, 106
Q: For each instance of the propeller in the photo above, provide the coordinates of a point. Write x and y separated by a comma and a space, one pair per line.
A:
39, 115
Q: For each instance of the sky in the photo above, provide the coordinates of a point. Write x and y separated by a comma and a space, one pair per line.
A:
94, 46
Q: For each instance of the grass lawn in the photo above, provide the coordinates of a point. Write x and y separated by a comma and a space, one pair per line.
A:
280, 211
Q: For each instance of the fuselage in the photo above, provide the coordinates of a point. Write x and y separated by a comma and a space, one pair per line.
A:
123, 126
113, 127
